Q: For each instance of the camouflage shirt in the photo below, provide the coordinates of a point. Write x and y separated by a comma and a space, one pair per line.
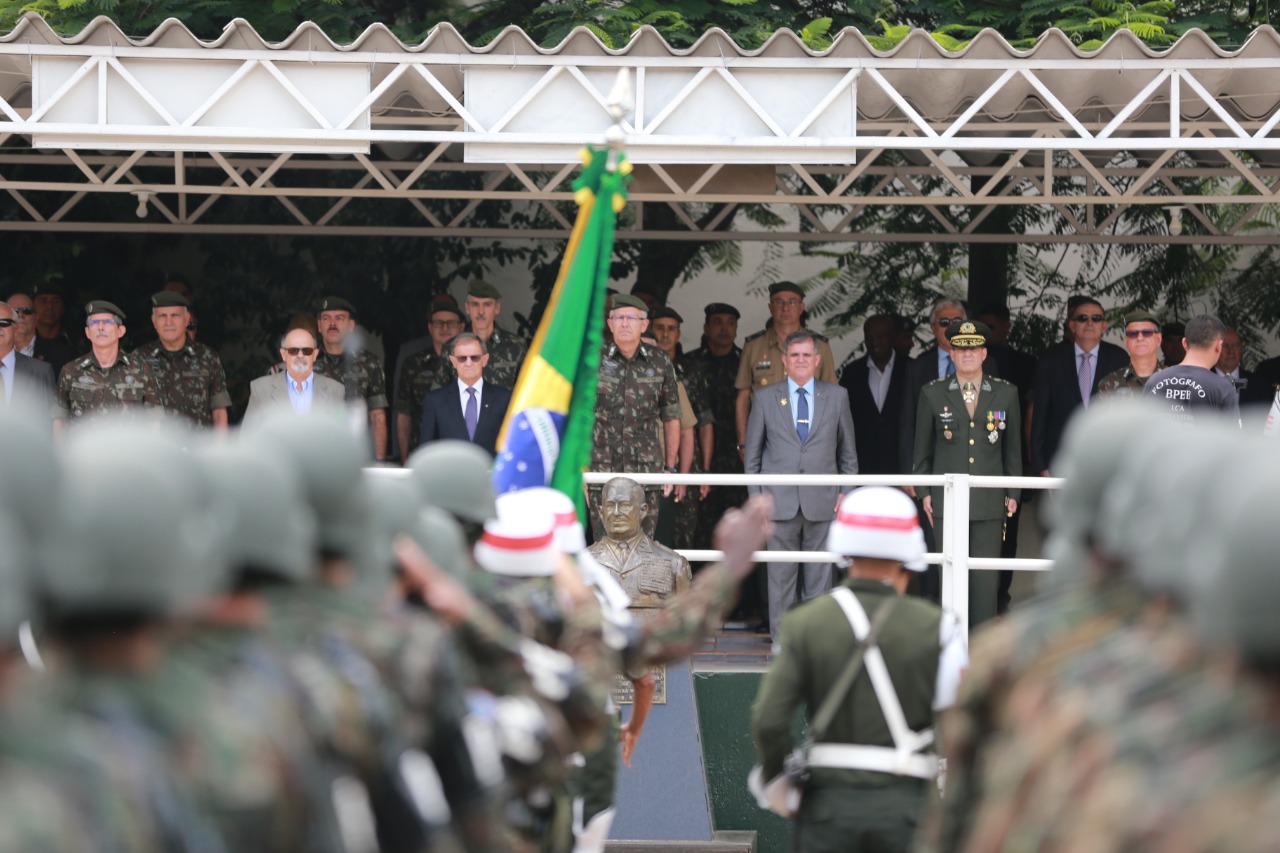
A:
418, 376
370, 381
636, 395
506, 355
191, 381
86, 389
721, 372
1124, 382
697, 384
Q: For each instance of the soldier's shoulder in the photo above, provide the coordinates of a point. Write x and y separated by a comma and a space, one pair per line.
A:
148, 349
1002, 384
368, 357
749, 338
937, 385
818, 336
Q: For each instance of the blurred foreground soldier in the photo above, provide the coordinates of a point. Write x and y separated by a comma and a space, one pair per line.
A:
455, 477
1086, 597
637, 427
422, 371
1142, 341
648, 571
106, 379
1192, 385
872, 669
299, 388
971, 423
344, 357
192, 384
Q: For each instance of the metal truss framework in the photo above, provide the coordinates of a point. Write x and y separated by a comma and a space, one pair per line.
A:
325, 140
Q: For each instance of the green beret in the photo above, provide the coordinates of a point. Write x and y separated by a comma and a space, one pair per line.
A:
1141, 317
968, 334
721, 308
662, 312
170, 299
336, 303
621, 300
785, 287
102, 306
481, 289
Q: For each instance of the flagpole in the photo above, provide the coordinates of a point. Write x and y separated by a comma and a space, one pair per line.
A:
619, 105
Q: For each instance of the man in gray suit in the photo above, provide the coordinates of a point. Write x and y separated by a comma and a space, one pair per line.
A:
299, 386
23, 379
801, 426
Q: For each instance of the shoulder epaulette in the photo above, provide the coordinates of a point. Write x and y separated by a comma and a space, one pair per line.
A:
818, 335
749, 338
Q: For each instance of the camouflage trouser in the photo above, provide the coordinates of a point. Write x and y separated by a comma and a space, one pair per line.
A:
686, 517
710, 509
594, 785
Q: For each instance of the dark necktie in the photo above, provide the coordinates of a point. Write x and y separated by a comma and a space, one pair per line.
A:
802, 416
1086, 378
472, 413
951, 366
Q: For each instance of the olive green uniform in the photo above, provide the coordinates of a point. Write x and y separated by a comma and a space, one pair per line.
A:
506, 354
843, 809
191, 380
948, 441
85, 388
1125, 382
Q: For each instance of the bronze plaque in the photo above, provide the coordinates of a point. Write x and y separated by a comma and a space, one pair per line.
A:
624, 691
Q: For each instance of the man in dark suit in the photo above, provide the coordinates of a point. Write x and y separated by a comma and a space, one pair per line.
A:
22, 379
799, 426
1229, 362
875, 384
1067, 378
468, 409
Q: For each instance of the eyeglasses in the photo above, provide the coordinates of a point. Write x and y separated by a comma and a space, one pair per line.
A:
1141, 333
299, 350
6, 323
105, 321
1089, 318
786, 303
468, 358
24, 311
628, 318
191, 327
446, 323
947, 321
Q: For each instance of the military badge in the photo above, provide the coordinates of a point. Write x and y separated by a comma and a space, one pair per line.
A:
992, 436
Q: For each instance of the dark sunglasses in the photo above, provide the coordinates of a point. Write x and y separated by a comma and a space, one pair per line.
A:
299, 350
947, 321
6, 323
467, 358
191, 327
1089, 318
1141, 333
24, 311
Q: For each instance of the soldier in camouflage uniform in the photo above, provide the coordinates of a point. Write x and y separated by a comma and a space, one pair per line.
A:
665, 324
344, 358
420, 373
106, 379
506, 350
189, 375
1142, 340
637, 427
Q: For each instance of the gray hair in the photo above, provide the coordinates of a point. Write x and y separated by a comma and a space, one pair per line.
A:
466, 337
947, 303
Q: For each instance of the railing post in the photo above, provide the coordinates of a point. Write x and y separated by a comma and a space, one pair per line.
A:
955, 547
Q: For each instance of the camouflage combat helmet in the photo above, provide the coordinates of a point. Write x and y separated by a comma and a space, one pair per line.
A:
330, 460
394, 503
135, 530
455, 476
441, 538
273, 529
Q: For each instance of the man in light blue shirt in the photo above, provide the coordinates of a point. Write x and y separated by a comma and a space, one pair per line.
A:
299, 386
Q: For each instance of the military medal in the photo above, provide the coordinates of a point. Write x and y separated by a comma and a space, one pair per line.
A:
991, 417
992, 436
946, 433
1002, 417
970, 393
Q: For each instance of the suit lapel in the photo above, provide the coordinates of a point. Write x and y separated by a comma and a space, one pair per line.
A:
820, 396
782, 405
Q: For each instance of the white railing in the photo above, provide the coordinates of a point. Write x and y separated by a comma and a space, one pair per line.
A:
954, 557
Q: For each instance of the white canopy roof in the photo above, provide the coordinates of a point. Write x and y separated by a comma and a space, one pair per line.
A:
331, 133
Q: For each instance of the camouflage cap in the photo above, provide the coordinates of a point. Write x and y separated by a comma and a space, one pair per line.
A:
721, 308
481, 289
969, 334
336, 303
662, 312
1141, 317
170, 299
102, 306
785, 287
626, 300
455, 476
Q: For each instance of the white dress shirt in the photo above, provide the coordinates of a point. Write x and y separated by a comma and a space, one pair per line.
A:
878, 380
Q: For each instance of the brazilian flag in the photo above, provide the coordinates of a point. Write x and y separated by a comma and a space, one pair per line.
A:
546, 439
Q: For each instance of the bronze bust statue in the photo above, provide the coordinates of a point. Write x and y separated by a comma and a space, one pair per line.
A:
649, 572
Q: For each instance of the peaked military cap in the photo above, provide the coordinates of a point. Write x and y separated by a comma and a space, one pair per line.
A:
721, 308
102, 306
1141, 317
336, 303
785, 287
620, 300
170, 299
662, 312
481, 289
969, 334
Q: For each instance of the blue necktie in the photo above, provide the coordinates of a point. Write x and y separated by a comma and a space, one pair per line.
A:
472, 413
802, 416
951, 365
